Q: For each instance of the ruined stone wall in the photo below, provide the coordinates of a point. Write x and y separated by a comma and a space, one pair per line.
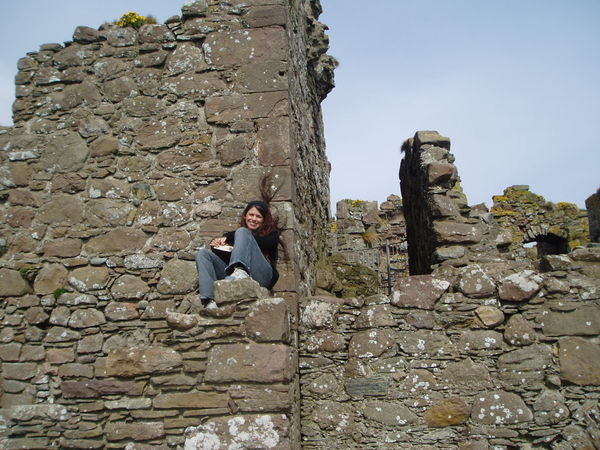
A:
491, 356
311, 79
530, 218
131, 149
365, 234
489, 350
592, 204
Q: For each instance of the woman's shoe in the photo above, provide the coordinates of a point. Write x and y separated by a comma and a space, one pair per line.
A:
237, 274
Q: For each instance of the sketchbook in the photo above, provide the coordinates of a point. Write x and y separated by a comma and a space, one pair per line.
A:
223, 248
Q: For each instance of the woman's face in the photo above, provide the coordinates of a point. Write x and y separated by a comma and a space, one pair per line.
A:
254, 219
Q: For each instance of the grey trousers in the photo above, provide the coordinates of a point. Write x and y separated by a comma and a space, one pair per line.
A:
246, 253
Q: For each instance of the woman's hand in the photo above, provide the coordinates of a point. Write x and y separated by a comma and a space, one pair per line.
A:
217, 241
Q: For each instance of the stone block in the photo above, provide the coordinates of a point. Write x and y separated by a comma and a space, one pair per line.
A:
117, 241
426, 342
330, 415
475, 282
264, 76
448, 233
129, 287
579, 361
519, 332
62, 248
62, 209
419, 291
230, 48
116, 311
388, 413
519, 286
499, 408
268, 15
86, 279
431, 138
247, 431
260, 399
194, 8
159, 134
467, 376
448, 412
583, 321
367, 386
319, 312
273, 140
530, 358
263, 363
230, 108
375, 316
50, 278
95, 388
191, 400
475, 340
440, 173
137, 431
235, 150
371, 343
12, 283
186, 58
326, 341
268, 321
195, 86
233, 291
131, 362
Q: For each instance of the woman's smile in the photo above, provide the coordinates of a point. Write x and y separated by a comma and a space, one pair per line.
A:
254, 219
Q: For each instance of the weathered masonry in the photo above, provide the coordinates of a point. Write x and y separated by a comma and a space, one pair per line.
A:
132, 148
486, 347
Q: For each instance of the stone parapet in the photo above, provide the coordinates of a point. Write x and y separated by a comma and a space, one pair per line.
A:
178, 376
478, 356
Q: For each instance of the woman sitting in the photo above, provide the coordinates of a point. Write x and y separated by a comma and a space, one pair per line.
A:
254, 253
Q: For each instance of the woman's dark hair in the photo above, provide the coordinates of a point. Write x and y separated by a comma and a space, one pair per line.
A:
268, 225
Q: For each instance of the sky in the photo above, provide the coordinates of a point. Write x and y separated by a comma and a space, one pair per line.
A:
515, 85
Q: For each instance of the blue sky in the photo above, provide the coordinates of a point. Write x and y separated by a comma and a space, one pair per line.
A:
515, 84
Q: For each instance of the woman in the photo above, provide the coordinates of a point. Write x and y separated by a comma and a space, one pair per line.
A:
254, 253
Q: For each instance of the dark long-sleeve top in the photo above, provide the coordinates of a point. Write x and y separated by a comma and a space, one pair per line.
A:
267, 244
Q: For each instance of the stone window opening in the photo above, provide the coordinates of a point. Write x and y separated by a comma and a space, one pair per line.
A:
548, 244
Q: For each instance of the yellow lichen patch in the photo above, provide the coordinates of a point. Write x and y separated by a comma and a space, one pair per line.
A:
567, 205
503, 212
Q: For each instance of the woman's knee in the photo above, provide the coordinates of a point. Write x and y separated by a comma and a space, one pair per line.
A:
242, 231
203, 254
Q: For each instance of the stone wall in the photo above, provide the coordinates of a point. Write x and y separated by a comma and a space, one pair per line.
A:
592, 204
492, 355
556, 228
363, 234
311, 79
131, 149
440, 225
488, 350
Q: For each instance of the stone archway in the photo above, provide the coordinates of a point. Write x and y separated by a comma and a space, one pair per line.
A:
555, 242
